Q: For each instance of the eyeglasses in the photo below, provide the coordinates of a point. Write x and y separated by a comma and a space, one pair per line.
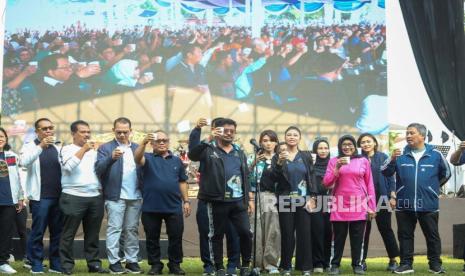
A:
46, 128
65, 67
164, 141
349, 145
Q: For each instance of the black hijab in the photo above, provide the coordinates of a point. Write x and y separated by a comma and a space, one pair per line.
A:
320, 163
351, 139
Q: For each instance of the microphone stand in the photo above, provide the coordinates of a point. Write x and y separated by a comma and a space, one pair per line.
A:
255, 270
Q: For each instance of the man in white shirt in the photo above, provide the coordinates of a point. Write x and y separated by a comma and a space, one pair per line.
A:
81, 199
118, 174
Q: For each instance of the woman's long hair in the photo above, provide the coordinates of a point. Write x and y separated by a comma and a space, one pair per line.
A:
273, 137
366, 134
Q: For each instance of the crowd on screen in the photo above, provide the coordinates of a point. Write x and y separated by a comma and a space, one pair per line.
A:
49, 68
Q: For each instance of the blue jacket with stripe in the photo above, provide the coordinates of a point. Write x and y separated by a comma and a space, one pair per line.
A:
417, 185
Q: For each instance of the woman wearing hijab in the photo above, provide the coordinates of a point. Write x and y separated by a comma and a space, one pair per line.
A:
384, 187
321, 251
349, 174
124, 75
11, 199
268, 236
295, 188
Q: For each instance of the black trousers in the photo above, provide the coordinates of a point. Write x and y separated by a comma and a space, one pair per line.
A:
321, 239
236, 212
19, 230
232, 239
89, 211
296, 233
407, 222
7, 217
383, 221
356, 230
174, 229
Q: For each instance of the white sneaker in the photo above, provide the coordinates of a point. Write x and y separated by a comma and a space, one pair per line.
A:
273, 271
11, 259
7, 269
318, 270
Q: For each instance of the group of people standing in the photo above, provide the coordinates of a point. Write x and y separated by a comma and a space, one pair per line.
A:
309, 202
279, 200
70, 185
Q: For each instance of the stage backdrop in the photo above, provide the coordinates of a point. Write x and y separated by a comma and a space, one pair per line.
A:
320, 65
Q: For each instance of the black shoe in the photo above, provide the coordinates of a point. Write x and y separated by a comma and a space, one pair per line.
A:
437, 270
176, 270
66, 271
133, 268
116, 268
245, 271
359, 270
208, 271
155, 270
231, 271
393, 265
97, 269
364, 266
404, 269
334, 270
220, 272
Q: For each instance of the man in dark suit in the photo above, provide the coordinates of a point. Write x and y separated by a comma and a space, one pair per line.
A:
59, 82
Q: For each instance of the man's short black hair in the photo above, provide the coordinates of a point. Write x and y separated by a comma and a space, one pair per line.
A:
222, 55
50, 62
36, 123
188, 48
225, 121
213, 123
101, 47
74, 125
122, 120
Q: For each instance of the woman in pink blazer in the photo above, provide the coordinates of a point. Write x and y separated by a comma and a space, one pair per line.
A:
353, 202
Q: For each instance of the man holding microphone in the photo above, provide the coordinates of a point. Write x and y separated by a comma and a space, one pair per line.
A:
420, 172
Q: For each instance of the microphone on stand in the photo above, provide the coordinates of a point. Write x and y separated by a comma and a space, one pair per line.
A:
255, 145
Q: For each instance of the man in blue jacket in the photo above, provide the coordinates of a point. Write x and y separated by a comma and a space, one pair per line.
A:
420, 172
232, 239
224, 185
458, 159
118, 174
